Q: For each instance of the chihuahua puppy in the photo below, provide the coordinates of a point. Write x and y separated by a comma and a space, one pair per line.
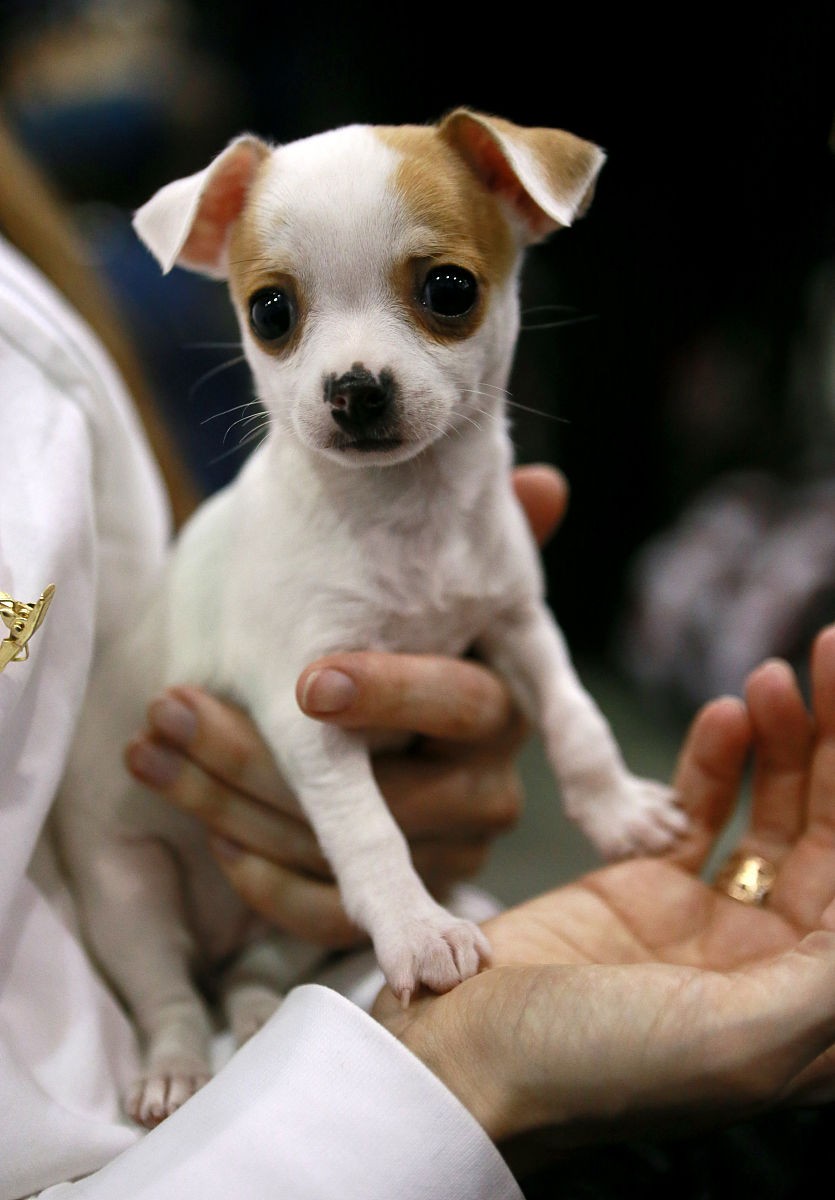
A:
374, 272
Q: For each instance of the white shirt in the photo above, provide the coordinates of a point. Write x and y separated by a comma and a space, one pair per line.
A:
323, 1102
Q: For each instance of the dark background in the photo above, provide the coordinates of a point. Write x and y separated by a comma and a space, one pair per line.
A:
692, 294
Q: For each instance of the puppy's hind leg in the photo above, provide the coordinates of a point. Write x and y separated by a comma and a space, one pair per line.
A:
252, 988
131, 904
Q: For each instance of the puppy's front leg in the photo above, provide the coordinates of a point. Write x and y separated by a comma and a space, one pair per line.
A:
417, 942
620, 813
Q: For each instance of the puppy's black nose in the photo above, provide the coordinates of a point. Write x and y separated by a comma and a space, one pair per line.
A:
359, 400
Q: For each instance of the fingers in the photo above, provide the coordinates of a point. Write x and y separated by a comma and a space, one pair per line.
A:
196, 743
821, 817
474, 797
805, 884
311, 908
709, 775
783, 736
543, 493
307, 908
207, 758
455, 700
461, 789
792, 821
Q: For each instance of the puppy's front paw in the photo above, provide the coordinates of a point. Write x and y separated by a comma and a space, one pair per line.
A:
640, 816
437, 952
163, 1089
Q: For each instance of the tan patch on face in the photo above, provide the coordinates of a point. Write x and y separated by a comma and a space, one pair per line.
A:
252, 268
456, 221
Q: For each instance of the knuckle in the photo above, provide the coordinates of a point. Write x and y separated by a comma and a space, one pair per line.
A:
441, 866
333, 929
304, 908
237, 757
483, 704
200, 795
503, 800
469, 861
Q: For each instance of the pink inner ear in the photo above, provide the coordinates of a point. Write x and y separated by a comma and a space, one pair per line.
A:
220, 205
499, 178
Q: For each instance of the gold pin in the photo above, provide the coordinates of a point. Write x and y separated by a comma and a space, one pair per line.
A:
21, 620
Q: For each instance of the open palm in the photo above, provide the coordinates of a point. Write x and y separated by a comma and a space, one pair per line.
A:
641, 989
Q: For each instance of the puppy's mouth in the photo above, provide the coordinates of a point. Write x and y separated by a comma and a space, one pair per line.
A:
366, 444
368, 450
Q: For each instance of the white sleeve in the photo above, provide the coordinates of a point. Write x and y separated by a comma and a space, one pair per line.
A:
322, 1103
74, 471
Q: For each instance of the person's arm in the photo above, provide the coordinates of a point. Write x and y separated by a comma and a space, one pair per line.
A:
323, 1102
82, 510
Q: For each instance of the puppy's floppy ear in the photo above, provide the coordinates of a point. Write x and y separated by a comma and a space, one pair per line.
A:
546, 176
187, 223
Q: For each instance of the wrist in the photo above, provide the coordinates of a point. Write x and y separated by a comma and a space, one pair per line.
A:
456, 1037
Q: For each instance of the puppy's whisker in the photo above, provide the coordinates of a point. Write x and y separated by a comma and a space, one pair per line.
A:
249, 417
500, 394
557, 324
470, 420
210, 374
226, 411
256, 433
494, 387
538, 412
245, 441
538, 308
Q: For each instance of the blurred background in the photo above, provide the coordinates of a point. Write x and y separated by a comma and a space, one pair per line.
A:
678, 353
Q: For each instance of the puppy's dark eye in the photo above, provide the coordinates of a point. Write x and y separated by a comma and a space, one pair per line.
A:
271, 314
449, 291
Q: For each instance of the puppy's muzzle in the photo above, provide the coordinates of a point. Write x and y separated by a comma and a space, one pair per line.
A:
361, 403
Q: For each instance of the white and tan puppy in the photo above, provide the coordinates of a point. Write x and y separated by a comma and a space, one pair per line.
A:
374, 272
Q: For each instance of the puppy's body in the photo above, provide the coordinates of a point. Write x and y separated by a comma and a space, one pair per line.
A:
375, 274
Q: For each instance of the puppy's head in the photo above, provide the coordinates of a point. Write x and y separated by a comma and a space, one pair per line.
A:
374, 269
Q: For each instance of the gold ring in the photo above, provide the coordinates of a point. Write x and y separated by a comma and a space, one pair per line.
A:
747, 878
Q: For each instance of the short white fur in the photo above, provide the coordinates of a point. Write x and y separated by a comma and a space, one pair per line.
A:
417, 546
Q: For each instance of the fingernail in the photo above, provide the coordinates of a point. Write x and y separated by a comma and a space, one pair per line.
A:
154, 764
174, 719
328, 691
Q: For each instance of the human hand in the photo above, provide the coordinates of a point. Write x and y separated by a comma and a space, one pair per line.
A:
642, 997
452, 793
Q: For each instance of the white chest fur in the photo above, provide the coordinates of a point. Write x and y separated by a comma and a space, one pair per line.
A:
300, 558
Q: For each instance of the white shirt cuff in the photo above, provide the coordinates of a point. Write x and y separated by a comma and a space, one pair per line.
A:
323, 1102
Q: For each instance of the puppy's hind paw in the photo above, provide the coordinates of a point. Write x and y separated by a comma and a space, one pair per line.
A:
160, 1092
433, 952
249, 1010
